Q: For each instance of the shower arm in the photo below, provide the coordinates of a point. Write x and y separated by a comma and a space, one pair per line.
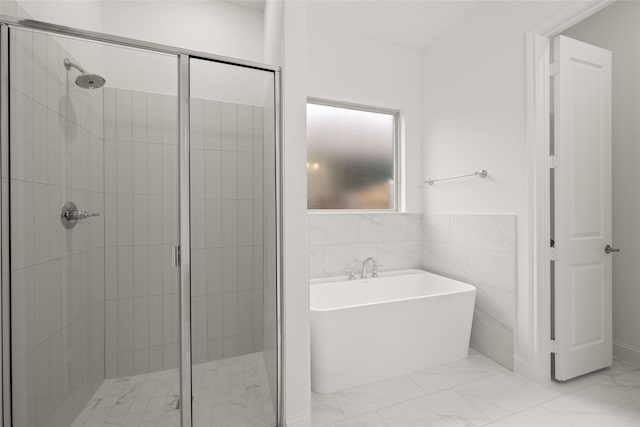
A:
68, 64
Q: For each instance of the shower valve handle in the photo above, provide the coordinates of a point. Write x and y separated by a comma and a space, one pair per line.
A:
70, 215
81, 215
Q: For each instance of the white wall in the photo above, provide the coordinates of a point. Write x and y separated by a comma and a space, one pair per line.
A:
346, 67
208, 26
617, 28
474, 118
286, 45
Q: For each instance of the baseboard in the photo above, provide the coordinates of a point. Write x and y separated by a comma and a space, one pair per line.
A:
626, 352
301, 420
522, 368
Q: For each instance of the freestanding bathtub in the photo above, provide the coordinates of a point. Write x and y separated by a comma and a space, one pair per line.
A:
402, 321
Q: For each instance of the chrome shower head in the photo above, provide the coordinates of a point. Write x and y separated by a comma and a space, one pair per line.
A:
85, 80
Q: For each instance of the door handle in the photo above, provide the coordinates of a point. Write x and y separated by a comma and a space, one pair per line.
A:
608, 249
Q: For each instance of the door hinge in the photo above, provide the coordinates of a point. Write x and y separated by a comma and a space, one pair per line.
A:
553, 254
553, 162
553, 69
175, 256
553, 347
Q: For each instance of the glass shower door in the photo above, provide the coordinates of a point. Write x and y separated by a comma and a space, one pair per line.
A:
93, 218
233, 245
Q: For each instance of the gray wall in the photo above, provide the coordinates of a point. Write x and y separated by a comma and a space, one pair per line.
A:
617, 28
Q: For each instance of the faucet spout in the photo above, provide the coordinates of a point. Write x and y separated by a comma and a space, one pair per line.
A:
365, 263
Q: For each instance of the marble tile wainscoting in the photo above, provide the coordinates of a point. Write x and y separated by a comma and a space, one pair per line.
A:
481, 250
342, 241
478, 249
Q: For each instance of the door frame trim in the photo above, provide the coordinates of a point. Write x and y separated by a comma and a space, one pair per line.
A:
537, 337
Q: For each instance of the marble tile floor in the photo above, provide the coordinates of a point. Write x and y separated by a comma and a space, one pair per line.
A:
478, 392
232, 392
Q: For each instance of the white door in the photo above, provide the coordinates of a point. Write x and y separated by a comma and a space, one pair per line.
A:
582, 104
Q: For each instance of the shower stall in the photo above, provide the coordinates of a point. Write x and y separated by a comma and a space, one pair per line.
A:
140, 233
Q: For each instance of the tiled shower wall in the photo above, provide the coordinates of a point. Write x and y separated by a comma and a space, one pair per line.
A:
226, 229
57, 274
481, 250
142, 226
141, 211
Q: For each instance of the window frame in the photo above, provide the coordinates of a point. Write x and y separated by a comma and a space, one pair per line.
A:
397, 152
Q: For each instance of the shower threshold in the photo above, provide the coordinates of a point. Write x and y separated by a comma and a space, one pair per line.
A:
228, 392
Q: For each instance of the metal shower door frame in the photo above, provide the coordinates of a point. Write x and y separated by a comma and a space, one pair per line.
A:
183, 57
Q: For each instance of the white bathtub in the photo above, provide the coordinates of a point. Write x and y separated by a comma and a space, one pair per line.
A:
403, 321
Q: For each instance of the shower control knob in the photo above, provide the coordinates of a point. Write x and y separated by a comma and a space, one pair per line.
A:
70, 215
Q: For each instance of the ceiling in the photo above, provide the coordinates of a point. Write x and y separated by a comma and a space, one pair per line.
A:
251, 4
410, 23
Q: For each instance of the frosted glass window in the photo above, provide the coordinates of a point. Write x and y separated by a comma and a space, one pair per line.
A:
351, 157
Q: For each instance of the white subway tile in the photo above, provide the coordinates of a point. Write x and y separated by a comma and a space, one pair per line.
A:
245, 127
140, 168
111, 273
140, 219
245, 175
197, 124
228, 126
141, 322
230, 269
198, 272
212, 175
140, 361
156, 274
211, 118
245, 222
198, 223
125, 363
230, 346
258, 267
141, 270
170, 120
156, 321
154, 118
139, 116
123, 115
213, 223
245, 312
125, 272
245, 344
155, 168
245, 268
125, 219
197, 174
214, 316
214, 349
214, 270
125, 324
199, 318
258, 129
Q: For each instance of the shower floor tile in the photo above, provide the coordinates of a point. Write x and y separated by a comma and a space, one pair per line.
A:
226, 393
